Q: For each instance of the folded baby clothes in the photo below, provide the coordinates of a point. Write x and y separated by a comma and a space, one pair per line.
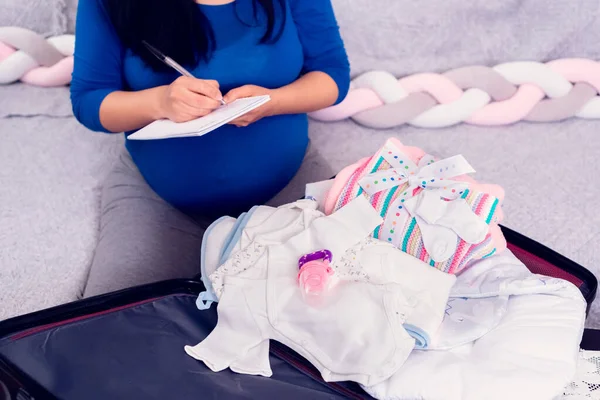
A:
507, 334
227, 236
431, 208
215, 240
427, 289
267, 225
356, 336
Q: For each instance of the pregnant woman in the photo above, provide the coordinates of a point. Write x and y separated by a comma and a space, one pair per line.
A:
161, 193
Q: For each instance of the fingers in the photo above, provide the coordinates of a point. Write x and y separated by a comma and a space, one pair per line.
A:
202, 87
246, 119
186, 91
198, 101
213, 83
239, 93
240, 122
193, 111
190, 106
190, 98
184, 113
179, 118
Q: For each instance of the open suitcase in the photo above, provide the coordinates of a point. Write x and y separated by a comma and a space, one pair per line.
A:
129, 345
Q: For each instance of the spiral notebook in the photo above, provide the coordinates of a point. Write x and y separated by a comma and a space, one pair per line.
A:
165, 129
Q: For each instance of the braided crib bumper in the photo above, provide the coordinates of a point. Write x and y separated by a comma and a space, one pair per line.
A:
500, 95
28, 57
478, 95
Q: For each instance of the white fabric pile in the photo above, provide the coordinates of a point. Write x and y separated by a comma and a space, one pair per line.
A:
497, 331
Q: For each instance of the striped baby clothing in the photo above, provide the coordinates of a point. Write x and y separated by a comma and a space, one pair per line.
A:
398, 180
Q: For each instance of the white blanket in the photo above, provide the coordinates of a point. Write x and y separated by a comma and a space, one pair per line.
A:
507, 334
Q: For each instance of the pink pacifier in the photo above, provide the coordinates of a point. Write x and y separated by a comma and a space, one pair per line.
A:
316, 275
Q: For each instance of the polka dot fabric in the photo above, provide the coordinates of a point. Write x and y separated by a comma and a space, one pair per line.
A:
401, 229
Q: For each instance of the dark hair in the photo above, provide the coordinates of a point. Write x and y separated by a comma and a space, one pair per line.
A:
178, 28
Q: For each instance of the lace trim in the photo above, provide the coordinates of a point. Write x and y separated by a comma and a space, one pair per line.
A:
348, 268
586, 384
239, 262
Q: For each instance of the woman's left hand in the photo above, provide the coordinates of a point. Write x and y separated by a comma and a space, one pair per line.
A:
266, 110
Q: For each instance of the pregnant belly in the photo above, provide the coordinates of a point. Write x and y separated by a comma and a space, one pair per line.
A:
228, 170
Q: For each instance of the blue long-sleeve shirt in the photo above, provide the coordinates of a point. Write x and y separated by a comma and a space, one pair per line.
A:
230, 169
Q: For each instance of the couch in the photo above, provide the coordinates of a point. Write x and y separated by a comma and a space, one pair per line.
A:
51, 168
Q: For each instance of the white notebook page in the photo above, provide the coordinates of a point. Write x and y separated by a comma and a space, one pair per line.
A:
164, 129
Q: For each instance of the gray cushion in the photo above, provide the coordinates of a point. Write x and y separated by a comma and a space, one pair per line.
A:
46, 17
16, 101
51, 170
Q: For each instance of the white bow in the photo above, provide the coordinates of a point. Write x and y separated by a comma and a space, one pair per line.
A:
431, 197
427, 175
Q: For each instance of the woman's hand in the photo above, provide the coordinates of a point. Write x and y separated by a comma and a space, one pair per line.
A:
266, 110
313, 91
189, 98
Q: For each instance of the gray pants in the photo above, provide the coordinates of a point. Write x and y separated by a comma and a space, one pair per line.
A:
143, 239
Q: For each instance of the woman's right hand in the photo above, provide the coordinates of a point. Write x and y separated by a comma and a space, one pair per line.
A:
189, 98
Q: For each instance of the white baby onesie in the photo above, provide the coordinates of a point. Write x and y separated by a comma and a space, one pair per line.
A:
356, 336
427, 289
213, 244
275, 225
267, 226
